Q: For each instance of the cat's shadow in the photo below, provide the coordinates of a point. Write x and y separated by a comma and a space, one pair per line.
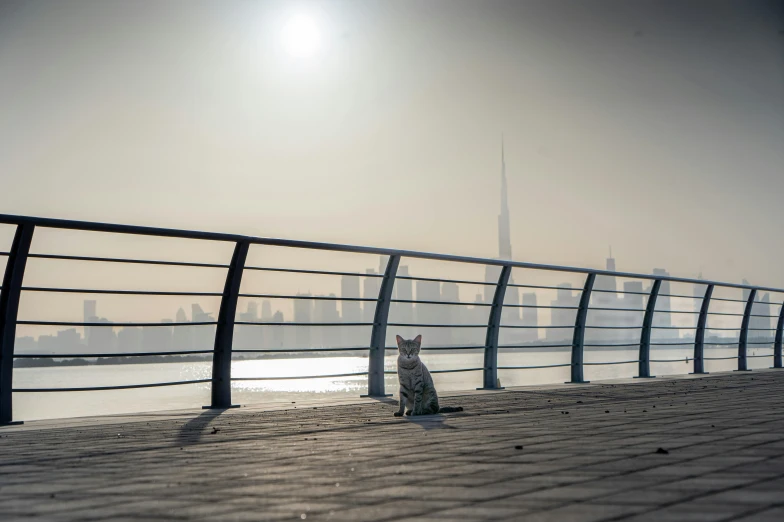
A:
429, 422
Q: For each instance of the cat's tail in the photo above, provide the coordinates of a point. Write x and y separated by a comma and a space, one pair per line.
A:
450, 409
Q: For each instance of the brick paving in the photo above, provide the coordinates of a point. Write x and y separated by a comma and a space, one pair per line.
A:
561, 453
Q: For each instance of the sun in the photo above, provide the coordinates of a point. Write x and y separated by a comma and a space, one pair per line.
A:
301, 35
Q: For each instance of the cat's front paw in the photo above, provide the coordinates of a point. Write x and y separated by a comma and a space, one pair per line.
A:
398, 414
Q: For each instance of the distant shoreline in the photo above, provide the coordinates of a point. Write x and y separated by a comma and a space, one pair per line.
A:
160, 359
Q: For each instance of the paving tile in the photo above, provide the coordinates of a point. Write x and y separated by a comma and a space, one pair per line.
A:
723, 436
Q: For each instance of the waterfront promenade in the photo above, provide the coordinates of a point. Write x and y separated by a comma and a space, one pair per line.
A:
553, 453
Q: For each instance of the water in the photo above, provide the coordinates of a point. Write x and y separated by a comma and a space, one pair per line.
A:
29, 406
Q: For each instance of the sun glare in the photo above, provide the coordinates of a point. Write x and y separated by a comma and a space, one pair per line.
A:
301, 35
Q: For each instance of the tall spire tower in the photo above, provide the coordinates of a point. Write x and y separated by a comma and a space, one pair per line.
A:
504, 240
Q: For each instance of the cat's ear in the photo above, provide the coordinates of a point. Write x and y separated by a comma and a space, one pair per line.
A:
399, 340
418, 340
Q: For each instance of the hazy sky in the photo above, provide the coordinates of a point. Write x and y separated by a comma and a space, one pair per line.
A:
656, 127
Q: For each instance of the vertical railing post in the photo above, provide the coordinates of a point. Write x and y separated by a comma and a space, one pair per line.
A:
224, 333
490, 372
9, 307
744, 332
699, 334
777, 362
578, 340
378, 337
644, 364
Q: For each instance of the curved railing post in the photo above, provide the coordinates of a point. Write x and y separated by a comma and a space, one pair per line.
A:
744, 332
490, 372
578, 339
224, 332
777, 362
644, 364
9, 307
699, 334
378, 337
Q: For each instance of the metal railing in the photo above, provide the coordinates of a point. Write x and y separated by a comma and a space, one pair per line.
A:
221, 379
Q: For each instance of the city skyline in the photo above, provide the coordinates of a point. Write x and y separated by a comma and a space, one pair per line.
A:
609, 298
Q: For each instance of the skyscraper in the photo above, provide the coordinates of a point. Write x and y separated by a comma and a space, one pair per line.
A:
182, 337
604, 298
562, 313
430, 313
530, 317
606, 286
90, 315
351, 311
326, 311
303, 313
403, 312
266, 311
370, 289
203, 336
504, 238
450, 293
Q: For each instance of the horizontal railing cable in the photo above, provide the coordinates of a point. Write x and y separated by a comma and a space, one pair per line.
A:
103, 355
606, 345
277, 323
606, 309
306, 297
546, 287
107, 388
292, 377
601, 291
112, 325
436, 280
690, 343
314, 272
298, 350
541, 306
127, 261
524, 326
610, 362
440, 348
456, 370
722, 328
413, 301
534, 367
534, 346
118, 292
438, 325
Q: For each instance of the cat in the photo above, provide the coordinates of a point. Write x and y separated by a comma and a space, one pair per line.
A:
416, 385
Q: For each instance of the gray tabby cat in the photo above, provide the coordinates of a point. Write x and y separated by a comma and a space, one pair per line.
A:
416, 385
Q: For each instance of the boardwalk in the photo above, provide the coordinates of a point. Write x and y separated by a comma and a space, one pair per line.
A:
561, 453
